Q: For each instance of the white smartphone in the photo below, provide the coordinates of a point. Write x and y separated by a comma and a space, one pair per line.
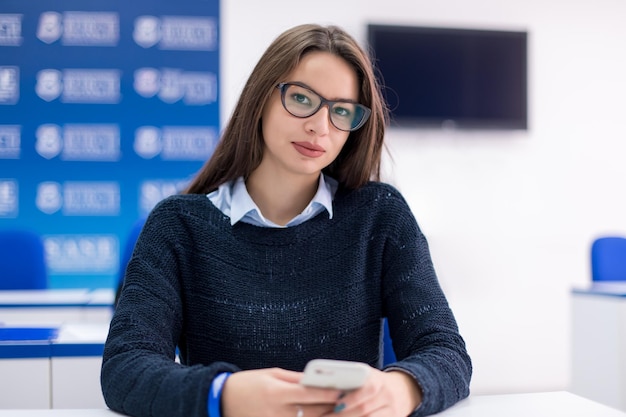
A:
329, 373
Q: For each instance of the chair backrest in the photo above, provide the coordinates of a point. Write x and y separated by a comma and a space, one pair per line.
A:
22, 261
608, 259
389, 355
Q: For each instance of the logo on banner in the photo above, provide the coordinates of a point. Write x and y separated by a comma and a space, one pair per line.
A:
189, 33
200, 88
9, 85
153, 191
147, 31
147, 142
86, 142
79, 198
176, 32
49, 140
79, 142
147, 82
49, 84
188, 143
91, 28
91, 86
96, 86
84, 198
10, 136
49, 197
10, 29
84, 254
8, 198
175, 143
79, 28
50, 27
171, 85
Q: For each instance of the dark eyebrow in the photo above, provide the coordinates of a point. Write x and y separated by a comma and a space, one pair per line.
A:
343, 100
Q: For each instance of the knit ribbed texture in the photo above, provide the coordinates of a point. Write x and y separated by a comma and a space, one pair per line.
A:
245, 297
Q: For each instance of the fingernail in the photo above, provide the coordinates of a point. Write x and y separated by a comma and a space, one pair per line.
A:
339, 408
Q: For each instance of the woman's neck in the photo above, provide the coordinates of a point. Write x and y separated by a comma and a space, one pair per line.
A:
279, 197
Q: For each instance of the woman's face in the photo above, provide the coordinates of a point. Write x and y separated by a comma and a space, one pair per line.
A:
304, 146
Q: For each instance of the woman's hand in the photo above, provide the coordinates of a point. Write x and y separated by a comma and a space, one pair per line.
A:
277, 392
385, 394
274, 392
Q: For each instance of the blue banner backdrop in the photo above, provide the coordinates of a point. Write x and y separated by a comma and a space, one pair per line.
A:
106, 107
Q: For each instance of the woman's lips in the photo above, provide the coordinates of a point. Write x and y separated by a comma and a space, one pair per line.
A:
308, 149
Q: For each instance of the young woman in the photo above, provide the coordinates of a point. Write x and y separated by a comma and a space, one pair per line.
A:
286, 248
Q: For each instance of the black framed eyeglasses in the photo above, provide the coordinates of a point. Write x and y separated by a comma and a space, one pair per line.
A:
300, 101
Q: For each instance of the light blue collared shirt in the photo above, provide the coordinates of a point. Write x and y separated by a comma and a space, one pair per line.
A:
233, 200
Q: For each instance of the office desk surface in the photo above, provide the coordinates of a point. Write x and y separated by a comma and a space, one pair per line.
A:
59, 413
548, 404
57, 298
603, 288
545, 404
54, 340
56, 305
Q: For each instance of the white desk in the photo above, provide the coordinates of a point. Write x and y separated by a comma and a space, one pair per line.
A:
59, 413
549, 404
56, 306
599, 343
60, 369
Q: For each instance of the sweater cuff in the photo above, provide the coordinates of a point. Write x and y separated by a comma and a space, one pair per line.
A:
214, 403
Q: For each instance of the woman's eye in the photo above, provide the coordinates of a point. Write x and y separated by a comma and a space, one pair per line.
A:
300, 99
342, 111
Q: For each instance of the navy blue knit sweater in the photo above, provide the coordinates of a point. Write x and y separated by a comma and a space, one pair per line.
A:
244, 297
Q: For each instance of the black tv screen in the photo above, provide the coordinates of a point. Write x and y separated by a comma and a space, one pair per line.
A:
464, 78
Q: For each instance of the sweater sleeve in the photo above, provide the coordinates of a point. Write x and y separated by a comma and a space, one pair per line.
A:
140, 376
423, 329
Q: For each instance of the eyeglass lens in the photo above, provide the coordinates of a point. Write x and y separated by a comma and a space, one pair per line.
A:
302, 102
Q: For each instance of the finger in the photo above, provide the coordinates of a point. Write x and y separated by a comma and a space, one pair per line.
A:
300, 394
360, 395
360, 402
311, 395
286, 375
316, 410
369, 408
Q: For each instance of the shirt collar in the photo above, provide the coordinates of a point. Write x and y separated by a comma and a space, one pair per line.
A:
325, 193
241, 204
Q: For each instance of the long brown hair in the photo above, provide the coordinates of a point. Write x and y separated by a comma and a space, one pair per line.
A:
240, 149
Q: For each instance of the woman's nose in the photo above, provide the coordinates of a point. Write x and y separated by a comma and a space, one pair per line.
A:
319, 122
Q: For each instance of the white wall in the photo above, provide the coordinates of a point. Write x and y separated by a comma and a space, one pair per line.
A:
509, 215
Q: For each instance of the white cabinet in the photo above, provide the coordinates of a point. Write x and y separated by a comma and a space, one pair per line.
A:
61, 373
599, 343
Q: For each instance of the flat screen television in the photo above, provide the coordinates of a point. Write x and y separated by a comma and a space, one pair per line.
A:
463, 78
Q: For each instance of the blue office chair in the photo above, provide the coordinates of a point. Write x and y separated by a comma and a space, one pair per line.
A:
22, 261
389, 355
608, 259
